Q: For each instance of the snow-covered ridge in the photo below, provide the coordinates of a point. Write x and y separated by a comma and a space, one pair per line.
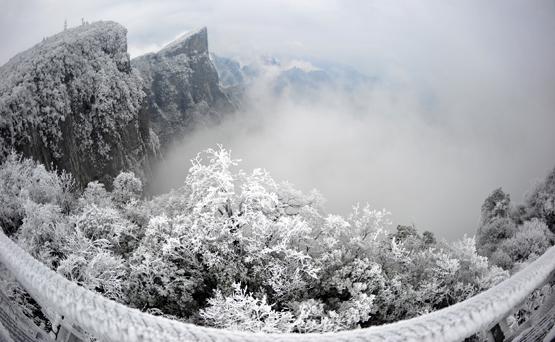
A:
191, 41
109, 35
182, 86
73, 101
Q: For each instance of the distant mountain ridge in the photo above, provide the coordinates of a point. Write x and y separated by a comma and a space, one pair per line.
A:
295, 76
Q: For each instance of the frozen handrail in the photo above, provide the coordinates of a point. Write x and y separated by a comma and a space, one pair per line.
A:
111, 321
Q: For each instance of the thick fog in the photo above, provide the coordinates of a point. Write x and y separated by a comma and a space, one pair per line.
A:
464, 100
388, 147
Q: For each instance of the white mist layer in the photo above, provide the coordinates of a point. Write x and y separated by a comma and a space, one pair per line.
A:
430, 163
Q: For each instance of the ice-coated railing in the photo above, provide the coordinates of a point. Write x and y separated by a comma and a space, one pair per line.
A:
110, 321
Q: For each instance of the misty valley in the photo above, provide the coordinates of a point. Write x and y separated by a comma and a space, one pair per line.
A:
186, 194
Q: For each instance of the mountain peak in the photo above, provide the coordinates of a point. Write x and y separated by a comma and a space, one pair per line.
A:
72, 101
107, 36
182, 86
190, 43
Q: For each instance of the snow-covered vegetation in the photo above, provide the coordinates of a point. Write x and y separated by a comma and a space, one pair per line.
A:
240, 250
513, 235
74, 101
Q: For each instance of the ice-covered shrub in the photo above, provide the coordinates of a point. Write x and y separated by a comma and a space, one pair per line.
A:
107, 224
540, 203
95, 194
44, 232
509, 235
531, 240
165, 273
22, 180
127, 187
98, 270
241, 311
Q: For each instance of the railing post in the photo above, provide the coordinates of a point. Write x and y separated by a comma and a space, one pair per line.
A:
499, 332
67, 335
64, 331
489, 336
495, 334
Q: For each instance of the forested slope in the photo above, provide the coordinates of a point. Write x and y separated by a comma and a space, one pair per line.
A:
73, 102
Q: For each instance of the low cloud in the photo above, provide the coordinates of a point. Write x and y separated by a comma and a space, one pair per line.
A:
430, 164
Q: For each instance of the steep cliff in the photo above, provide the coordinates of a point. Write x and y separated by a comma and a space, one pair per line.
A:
182, 86
73, 102
230, 72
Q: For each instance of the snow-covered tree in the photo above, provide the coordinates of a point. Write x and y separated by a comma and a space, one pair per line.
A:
23, 180
540, 203
127, 187
241, 311
239, 250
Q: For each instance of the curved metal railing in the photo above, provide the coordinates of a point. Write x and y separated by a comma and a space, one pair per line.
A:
110, 321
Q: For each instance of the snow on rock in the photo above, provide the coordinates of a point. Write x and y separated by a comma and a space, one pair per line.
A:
192, 42
74, 102
182, 86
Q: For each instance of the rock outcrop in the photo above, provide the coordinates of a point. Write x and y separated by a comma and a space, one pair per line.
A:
76, 102
230, 72
73, 102
182, 87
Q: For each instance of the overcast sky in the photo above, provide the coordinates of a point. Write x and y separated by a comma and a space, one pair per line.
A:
485, 68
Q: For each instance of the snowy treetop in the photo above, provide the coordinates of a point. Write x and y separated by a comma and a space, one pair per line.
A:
110, 36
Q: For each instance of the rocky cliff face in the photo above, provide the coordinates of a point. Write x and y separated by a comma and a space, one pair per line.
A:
229, 71
182, 86
73, 102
